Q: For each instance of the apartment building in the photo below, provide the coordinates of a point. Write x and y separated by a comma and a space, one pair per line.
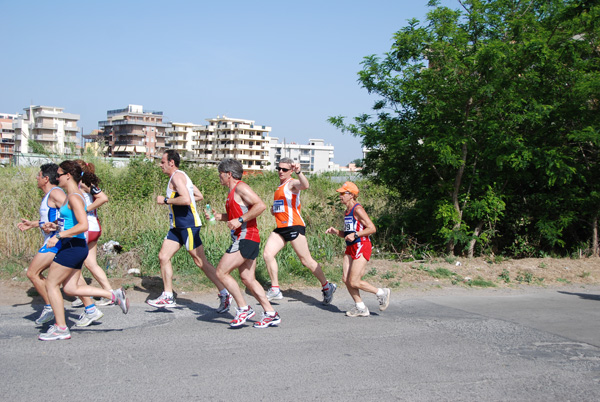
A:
225, 137
179, 138
49, 126
133, 131
7, 138
313, 157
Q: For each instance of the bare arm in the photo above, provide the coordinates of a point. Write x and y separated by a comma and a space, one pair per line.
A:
255, 205
99, 199
302, 182
197, 194
363, 218
178, 182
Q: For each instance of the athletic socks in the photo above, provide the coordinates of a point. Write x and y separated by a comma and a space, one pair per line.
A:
360, 306
91, 309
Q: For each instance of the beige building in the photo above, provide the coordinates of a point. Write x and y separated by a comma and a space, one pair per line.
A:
7, 138
225, 137
133, 131
179, 138
49, 126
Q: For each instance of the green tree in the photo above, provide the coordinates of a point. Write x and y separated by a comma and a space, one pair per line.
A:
481, 116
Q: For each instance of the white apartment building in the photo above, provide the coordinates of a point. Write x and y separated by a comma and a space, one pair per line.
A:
179, 138
314, 157
49, 126
225, 137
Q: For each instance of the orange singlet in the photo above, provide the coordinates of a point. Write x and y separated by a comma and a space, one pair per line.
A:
286, 206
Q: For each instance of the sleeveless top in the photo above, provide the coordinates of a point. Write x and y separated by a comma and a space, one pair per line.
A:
48, 214
92, 216
67, 218
286, 206
353, 225
183, 216
248, 230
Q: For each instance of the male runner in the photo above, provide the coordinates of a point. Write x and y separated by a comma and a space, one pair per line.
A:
291, 228
243, 206
185, 230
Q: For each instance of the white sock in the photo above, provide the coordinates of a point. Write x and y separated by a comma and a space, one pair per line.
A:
360, 306
379, 292
168, 294
243, 308
270, 313
224, 292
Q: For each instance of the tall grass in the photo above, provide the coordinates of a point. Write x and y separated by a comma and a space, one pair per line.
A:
133, 218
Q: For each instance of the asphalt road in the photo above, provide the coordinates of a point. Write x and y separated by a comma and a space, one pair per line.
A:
541, 345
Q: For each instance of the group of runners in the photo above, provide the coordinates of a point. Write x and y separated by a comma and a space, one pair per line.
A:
65, 250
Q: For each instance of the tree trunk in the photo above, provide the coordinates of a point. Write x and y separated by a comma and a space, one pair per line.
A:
473, 241
455, 193
595, 245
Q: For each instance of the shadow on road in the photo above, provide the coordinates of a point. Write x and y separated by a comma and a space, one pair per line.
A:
584, 296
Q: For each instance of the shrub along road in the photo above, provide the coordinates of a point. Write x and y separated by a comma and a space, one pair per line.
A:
456, 344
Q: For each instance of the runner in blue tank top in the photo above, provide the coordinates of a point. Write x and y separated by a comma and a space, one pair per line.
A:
65, 270
54, 197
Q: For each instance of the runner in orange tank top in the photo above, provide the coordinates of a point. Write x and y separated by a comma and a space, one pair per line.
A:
291, 228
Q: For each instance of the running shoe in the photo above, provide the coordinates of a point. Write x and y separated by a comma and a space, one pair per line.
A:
162, 301
225, 303
384, 300
274, 294
47, 315
121, 299
267, 320
104, 302
86, 318
242, 316
77, 303
356, 312
54, 333
328, 294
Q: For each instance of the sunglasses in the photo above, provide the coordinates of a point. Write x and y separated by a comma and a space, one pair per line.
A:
284, 169
61, 174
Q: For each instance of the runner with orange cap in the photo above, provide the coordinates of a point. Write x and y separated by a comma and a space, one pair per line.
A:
358, 228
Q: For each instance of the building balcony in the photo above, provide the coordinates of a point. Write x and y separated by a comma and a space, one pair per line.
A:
68, 128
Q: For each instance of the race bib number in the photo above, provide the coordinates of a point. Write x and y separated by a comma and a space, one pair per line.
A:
348, 224
278, 206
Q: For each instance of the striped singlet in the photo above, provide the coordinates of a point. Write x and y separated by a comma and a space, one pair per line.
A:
286, 206
48, 214
183, 216
248, 230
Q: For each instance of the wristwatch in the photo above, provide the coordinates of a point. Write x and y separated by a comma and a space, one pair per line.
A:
165, 201
57, 236
240, 220
356, 236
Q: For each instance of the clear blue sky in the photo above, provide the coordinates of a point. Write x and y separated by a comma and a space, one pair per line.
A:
288, 65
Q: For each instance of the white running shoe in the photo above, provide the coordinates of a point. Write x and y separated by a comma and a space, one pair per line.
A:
47, 315
86, 319
274, 294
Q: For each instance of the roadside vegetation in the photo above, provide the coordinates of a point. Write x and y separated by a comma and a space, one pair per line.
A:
133, 219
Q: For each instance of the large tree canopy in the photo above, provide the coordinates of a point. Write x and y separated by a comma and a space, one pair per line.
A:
487, 125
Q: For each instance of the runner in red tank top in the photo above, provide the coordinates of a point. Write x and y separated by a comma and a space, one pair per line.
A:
291, 228
243, 206
357, 229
